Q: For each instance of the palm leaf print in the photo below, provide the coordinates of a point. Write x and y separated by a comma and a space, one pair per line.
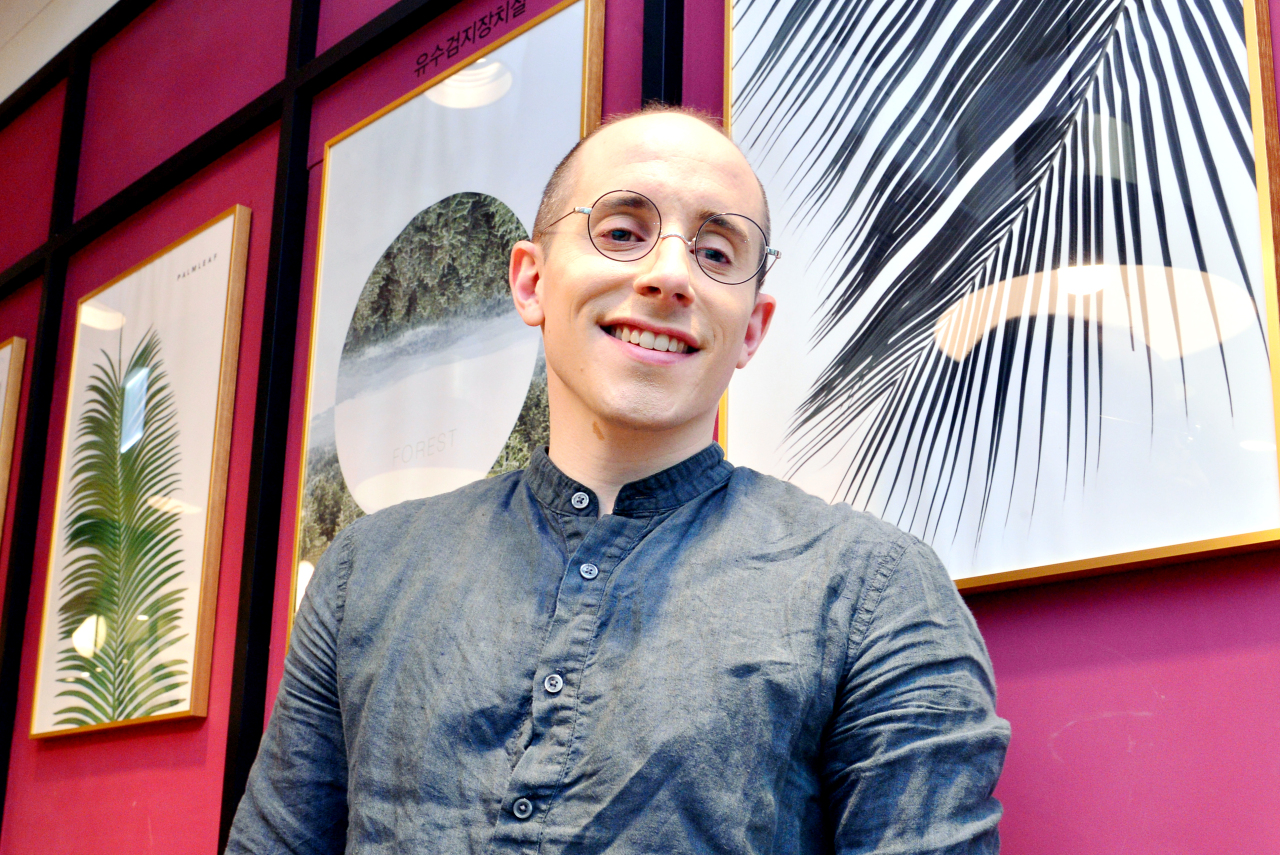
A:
963, 164
119, 608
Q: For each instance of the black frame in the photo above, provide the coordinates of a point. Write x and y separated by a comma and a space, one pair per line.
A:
288, 103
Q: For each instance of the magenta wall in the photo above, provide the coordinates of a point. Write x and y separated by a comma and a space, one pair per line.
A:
341, 18
1145, 709
27, 165
171, 75
153, 787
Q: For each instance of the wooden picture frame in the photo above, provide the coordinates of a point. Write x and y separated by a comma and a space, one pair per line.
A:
128, 614
943, 354
13, 355
468, 176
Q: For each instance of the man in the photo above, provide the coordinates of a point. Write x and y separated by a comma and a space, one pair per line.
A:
632, 646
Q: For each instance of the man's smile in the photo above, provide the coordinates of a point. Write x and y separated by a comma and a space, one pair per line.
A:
661, 340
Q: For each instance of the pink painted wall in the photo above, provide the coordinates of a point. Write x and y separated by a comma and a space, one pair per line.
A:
360, 94
30, 147
180, 68
1145, 709
704, 45
154, 787
341, 18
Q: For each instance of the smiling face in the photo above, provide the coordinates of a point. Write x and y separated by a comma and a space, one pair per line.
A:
648, 344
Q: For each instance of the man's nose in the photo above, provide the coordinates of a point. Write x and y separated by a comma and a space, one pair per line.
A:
671, 271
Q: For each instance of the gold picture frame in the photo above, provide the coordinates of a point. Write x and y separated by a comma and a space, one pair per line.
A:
13, 354
127, 622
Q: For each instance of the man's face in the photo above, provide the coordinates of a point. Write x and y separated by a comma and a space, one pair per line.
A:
584, 300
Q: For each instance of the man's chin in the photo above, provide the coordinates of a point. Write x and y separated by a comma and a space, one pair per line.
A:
659, 417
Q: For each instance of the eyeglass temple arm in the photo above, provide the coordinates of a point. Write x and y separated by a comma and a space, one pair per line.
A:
586, 211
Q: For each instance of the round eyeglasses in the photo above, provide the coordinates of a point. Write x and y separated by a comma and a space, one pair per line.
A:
625, 225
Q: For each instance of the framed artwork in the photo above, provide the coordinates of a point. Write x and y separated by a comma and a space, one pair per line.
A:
421, 376
13, 355
1028, 301
127, 627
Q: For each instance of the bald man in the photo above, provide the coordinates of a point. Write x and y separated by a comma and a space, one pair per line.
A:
632, 646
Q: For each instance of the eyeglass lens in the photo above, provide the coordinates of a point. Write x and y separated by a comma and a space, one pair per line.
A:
625, 225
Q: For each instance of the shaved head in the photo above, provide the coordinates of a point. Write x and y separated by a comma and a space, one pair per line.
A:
559, 190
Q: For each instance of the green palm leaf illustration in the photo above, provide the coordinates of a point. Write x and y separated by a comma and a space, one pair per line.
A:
119, 608
958, 154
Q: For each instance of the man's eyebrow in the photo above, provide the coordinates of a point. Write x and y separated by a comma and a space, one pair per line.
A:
634, 200
717, 218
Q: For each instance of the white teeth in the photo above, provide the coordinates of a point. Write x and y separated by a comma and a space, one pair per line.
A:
647, 340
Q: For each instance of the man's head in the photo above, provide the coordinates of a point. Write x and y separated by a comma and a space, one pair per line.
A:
604, 320
555, 195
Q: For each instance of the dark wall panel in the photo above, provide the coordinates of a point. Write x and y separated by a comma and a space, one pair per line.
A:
171, 75
28, 159
157, 787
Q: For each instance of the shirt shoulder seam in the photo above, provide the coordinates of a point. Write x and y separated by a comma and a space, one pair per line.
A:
887, 563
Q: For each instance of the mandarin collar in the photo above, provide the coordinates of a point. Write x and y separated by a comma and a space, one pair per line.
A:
661, 492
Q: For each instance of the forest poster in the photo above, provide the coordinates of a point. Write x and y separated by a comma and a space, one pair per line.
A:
422, 377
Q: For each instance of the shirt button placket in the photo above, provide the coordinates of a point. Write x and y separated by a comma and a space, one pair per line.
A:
589, 571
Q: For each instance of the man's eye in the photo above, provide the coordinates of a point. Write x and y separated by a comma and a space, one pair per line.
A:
621, 234
711, 255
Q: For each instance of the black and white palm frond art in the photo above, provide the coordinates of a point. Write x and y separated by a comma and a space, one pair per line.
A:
1029, 305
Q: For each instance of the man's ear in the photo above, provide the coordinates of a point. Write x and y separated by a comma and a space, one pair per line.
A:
757, 326
525, 278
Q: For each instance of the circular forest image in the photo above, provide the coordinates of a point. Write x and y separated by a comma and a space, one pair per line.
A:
440, 383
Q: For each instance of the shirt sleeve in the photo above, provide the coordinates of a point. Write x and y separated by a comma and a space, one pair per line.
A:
915, 747
296, 797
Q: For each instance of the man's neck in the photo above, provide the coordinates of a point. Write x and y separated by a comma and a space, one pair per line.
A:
606, 457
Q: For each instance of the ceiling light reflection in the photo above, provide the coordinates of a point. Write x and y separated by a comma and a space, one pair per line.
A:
483, 82
100, 317
170, 505
1181, 306
90, 636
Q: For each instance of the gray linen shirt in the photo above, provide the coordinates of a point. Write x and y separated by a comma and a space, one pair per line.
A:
723, 664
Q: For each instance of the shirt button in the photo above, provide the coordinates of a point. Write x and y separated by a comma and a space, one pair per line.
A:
523, 808
553, 684
589, 571
580, 500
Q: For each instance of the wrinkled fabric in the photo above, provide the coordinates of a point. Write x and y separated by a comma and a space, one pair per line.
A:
746, 670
